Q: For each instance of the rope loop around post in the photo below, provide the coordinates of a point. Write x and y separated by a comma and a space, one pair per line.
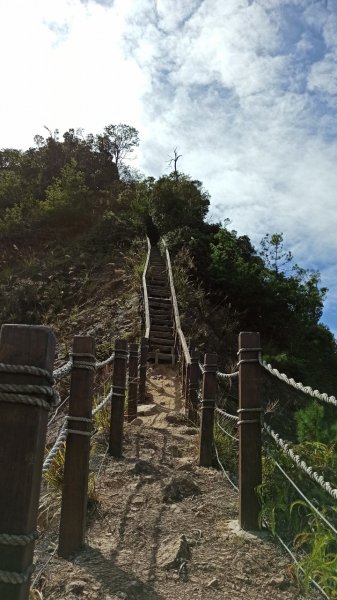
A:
16, 578
82, 360
10, 539
26, 370
212, 368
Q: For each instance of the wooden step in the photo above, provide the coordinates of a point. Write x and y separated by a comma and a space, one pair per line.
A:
161, 332
162, 349
161, 342
159, 292
161, 317
160, 281
160, 322
159, 357
159, 301
167, 315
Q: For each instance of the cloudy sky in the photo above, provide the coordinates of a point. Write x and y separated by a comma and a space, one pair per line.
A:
245, 89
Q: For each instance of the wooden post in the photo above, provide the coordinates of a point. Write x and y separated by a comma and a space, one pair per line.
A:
250, 464
76, 462
133, 382
209, 386
144, 348
23, 430
193, 399
118, 399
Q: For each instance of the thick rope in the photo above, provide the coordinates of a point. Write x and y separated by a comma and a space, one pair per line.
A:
226, 414
224, 470
61, 372
298, 385
227, 375
104, 363
10, 539
20, 394
301, 464
104, 402
235, 439
61, 438
26, 370
15, 578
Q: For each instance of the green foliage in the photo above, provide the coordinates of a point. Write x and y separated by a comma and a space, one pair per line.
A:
273, 253
117, 142
320, 563
11, 189
311, 424
67, 195
54, 475
176, 201
227, 452
292, 518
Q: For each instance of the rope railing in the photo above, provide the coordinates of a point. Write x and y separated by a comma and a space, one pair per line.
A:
305, 389
227, 375
64, 370
300, 463
105, 363
182, 344
145, 292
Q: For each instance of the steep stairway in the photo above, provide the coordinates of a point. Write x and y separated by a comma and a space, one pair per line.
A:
160, 307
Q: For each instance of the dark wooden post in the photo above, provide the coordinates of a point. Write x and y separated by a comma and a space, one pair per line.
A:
193, 399
250, 465
23, 430
209, 386
118, 399
133, 382
76, 463
144, 348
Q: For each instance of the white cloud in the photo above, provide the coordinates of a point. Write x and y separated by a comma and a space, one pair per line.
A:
246, 89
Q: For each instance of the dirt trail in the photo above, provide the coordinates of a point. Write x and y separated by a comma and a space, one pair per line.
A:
162, 529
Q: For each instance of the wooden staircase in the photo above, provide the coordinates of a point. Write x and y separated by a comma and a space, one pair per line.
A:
161, 343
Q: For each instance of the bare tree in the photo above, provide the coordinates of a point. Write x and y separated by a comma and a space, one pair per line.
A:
173, 161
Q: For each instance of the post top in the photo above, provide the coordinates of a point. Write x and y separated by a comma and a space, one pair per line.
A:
32, 345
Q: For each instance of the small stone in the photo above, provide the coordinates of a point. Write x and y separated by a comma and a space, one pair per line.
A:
147, 410
76, 587
179, 488
137, 422
172, 552
184, 465
142, 467
176, 419
214, 583
189, 431
279, 582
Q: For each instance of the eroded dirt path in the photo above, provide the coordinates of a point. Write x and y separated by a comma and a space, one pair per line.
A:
162, 527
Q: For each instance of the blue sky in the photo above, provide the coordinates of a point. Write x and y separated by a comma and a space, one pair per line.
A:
245, 89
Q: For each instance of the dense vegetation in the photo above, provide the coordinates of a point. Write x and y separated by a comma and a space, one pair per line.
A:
80, 186
69, 206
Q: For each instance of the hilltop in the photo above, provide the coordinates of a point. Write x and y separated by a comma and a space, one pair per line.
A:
72, 245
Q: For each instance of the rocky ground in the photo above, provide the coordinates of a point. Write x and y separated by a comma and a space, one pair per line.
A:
163, 527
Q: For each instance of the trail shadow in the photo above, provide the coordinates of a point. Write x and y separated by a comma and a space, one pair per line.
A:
115, 579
